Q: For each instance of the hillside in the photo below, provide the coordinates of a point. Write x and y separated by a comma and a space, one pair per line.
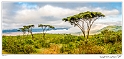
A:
112, 28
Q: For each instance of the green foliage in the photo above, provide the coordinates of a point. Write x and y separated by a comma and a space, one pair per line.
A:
29, 41
113, 48
107, 42
70, 38
108, 36
67, 48
28, 49
16, 46
45, 45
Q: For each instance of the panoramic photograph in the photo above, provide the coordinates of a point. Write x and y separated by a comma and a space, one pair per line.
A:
61, 27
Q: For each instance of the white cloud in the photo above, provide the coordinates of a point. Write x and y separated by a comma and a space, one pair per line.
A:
48, 15
70, 30
73, 30
98, 9
49, 10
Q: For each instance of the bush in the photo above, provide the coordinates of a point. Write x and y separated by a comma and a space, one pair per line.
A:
29, 41
113, 48
37, 45
28, 49
107, 36
90, 48
54, 49
45, 45
69, 48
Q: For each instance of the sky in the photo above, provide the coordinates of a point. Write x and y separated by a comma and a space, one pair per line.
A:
17, 14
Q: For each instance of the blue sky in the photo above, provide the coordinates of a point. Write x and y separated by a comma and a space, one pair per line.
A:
17, 14
72, 5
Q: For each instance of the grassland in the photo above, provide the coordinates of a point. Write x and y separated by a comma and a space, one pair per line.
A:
106, 42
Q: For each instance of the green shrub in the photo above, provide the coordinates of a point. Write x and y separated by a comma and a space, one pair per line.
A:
69, 48
37, 45
45, 45
29, 41
113, 48
90, 48
28, 49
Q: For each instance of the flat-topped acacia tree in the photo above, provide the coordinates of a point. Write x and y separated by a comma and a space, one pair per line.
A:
45, 28
29, 29
83, 18
23, 30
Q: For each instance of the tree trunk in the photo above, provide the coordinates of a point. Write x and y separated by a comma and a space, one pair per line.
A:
23, 35
32, 35
88, 31
83, 33
43, 35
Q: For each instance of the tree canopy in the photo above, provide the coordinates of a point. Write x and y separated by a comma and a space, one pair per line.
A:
84, 17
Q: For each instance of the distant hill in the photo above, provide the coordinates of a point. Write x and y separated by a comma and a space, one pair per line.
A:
112, 28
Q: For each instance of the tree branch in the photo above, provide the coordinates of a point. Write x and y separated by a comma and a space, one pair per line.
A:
47, 29
93, 22
82, 28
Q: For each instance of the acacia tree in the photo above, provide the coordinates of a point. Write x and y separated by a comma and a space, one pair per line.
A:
45, 28
29, 29
83, 18
23, 30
